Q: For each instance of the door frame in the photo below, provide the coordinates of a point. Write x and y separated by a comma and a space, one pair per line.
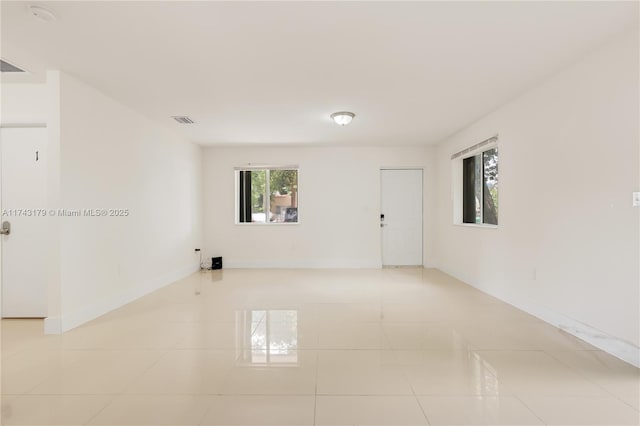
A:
421, 168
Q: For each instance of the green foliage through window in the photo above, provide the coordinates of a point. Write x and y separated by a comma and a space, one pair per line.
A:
268, 195
480, 188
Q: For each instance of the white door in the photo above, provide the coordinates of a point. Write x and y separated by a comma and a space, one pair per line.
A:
401, 217
24, 172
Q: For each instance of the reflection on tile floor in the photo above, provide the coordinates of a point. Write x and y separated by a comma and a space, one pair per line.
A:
324, 347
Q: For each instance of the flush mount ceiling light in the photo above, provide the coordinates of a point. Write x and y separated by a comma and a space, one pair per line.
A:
343, 117
41, 13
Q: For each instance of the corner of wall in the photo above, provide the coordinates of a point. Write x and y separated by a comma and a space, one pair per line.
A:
54, 290
78, 317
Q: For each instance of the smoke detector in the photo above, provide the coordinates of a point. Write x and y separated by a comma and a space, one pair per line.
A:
41, 14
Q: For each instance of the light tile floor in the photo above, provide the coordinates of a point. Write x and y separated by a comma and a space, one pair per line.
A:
303, 347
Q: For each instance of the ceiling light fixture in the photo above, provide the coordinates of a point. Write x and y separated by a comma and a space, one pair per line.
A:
41, 13
343, 117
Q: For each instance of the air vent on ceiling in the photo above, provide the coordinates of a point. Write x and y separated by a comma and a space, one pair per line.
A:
7, 67
182, 119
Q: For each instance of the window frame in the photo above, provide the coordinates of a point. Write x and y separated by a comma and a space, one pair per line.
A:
458, 183
267, 169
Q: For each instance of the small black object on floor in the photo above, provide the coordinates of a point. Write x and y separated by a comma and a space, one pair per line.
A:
216, 263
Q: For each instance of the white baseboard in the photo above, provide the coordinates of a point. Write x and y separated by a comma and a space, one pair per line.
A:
302, 264
57, 325
613, 345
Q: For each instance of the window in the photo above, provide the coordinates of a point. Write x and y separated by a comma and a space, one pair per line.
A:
267, 195
480, 188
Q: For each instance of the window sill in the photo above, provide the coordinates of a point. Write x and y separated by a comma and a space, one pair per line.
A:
267, 224
477, 225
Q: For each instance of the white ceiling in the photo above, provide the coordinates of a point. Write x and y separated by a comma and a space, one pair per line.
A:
263, 72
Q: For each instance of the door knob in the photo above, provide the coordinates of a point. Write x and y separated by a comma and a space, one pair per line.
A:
6, 228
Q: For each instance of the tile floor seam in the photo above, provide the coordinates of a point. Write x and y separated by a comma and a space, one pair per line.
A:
422, 409
315, 396
111, 399
192, 394
590, 380
28, 392
406, 377
386, 395
153, 364
207, 411
530, 409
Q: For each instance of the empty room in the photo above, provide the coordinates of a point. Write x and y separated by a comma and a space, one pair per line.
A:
320, 213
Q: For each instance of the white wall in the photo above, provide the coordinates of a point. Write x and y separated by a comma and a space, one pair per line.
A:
112, 157
24, 103
339, 207
29, 104
567, 247
54, 296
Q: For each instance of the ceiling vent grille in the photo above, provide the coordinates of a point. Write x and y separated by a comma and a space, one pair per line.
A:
182, 119
7, 67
